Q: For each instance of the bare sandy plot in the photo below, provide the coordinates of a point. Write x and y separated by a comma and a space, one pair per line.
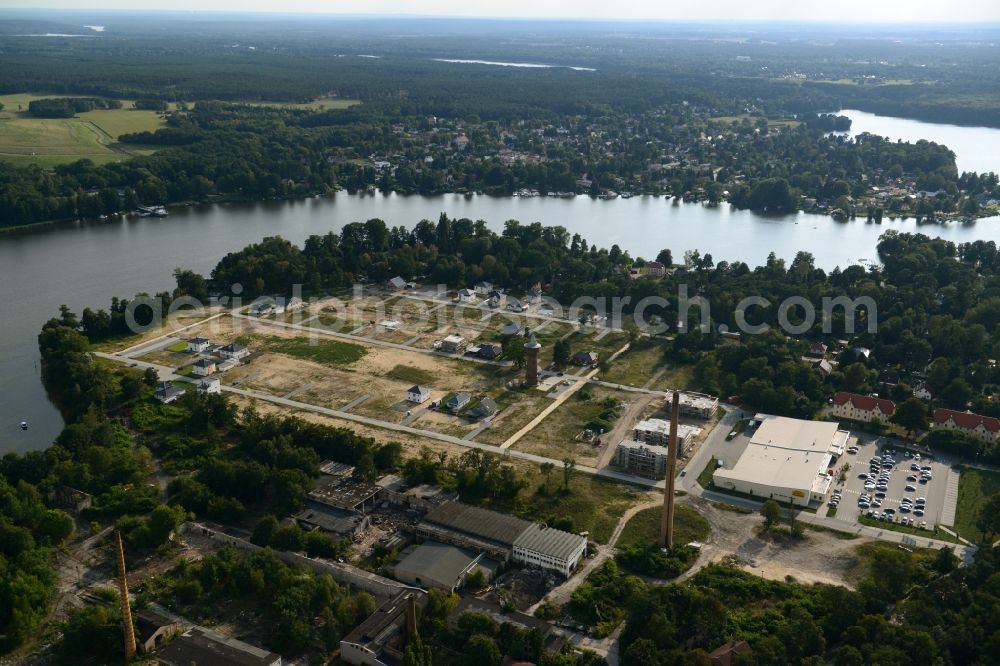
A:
820, 557
411, 443
558, 435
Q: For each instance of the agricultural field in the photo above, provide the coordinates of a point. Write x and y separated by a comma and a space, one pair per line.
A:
319, 104
46, 142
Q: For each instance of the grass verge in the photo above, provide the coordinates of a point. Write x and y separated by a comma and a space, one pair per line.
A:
324, 352
644, 527
934, 533
974, 488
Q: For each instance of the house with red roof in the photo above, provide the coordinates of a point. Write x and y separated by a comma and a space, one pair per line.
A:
866, 408
983, 428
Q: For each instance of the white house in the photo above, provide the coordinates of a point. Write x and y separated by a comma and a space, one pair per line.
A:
466, 296
418, 394
227, 364
483, 288
198, 345
204, 367
294, 303
210, 385
234, 351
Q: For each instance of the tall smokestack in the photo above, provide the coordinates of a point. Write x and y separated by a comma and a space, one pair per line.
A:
411, 617
667, 518
127, 628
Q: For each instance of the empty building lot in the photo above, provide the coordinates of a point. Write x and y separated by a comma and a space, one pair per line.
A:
901, 477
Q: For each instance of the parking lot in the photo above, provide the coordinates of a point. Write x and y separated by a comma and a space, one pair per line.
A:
901, 477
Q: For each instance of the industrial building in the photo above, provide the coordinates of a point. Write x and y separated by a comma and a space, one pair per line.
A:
344, 492
789, 460
344, 524
503, 537
424, 497
198, 645
438, 565
549, 548
381, 639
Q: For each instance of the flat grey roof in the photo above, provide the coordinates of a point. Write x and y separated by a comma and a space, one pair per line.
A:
550, 541
202, 646
477, 522
331, 520
435, 562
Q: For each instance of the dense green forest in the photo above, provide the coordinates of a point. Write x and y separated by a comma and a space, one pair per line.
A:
611, 114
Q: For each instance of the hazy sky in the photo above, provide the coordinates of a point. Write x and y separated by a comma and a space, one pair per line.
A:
796, 10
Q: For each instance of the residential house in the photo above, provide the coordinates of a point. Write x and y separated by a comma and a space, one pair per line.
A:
453, 344
514, 305
655, 269
587, 358
456, 402
210, 385
483, 409
418, 394
865, 408
983, 428
168, 393
466, 296
483, 288
535, 294
198, 345
397, 283
818, 349
923, 392
823, 367
204, 367
489, 351
234, 351
496, 298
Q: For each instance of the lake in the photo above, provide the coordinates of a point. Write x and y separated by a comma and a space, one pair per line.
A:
86, 264
976, 148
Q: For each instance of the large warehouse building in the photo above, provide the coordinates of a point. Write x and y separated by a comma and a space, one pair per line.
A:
789, 460
503, 537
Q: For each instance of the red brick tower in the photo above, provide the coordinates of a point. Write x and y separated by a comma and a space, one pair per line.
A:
531, 348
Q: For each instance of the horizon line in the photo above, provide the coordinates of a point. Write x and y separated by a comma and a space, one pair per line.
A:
473, 17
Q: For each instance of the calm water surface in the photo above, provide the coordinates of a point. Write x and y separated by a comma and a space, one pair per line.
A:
86, 264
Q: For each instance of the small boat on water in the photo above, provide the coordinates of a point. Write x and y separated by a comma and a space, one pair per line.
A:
24, 425
151, 211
